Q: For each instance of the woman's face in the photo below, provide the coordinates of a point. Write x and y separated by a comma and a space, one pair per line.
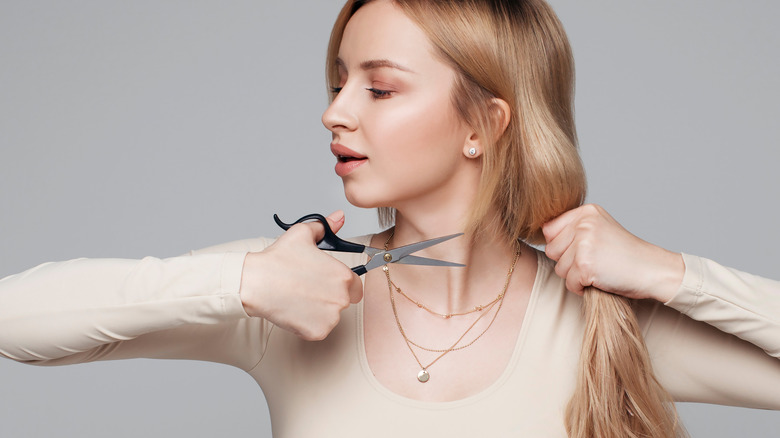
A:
396, 134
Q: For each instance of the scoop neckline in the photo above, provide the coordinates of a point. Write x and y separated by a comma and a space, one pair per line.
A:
511, 365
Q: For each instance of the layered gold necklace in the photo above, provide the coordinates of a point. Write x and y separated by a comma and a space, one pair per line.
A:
423, 375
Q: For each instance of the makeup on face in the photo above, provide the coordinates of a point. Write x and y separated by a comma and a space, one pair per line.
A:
347, 160
395, 133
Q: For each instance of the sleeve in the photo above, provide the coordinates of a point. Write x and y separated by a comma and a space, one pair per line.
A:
718, 339
83, 310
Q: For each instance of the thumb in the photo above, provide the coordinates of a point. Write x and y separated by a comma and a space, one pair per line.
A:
315, 229
336, 220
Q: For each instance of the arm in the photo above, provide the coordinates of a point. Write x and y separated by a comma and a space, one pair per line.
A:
723, 346
700, 360
191, 307
735, 302
85, 310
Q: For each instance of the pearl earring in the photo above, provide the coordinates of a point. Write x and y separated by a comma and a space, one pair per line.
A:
473, 151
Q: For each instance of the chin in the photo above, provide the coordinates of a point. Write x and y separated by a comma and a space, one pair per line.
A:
362, 198
360, 201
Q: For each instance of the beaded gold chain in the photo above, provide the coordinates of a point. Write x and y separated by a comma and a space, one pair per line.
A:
477, 308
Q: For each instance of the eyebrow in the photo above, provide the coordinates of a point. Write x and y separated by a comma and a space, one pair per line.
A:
376, 63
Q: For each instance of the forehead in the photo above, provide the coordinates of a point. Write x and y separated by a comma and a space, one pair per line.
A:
381, 30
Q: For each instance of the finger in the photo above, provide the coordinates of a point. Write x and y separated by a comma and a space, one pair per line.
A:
559, 245
574, 281
554, 227
564, 264
316, 229
356, 290
336, 220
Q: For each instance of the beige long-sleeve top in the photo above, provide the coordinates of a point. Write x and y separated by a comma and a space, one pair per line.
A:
189, 308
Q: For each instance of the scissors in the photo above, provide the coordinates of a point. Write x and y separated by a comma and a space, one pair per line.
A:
378, 257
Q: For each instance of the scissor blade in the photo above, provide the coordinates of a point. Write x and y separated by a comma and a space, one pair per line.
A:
398, 254
425, 261
404, 251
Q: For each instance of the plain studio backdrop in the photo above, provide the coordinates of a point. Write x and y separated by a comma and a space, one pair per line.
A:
154, 127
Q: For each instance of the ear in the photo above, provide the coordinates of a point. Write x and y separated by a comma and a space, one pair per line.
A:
501, 115
472, 147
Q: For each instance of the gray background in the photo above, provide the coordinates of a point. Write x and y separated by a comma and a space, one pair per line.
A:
149, 128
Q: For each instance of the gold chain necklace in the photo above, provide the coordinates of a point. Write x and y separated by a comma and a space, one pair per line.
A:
423, 376
477, 308
452, 348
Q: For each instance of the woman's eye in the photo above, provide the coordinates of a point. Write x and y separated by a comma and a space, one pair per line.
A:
379, 94
335, 90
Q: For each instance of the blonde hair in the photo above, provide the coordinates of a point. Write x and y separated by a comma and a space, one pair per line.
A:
517, 51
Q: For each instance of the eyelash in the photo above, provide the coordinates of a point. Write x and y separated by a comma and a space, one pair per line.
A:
375, 92
379, 94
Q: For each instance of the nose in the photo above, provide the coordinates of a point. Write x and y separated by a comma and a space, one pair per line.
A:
339, 116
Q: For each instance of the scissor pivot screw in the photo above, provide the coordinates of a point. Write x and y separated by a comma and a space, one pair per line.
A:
388, 257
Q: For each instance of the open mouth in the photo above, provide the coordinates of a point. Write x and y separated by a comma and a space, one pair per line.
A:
348, 158
344, 154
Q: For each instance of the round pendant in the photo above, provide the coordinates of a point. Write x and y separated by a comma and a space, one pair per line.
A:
423, 376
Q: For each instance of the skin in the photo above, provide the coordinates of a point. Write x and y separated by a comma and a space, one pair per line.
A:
407, 127
403, 121
592, 249
298, 287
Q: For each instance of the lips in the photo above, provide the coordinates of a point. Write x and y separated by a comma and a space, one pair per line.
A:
347, 159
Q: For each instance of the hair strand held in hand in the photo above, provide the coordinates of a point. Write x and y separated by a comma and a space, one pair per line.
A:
617, 394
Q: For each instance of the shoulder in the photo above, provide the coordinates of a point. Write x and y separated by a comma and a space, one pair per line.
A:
550, 297
547, 281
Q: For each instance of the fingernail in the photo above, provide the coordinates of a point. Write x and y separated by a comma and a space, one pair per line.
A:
337, 216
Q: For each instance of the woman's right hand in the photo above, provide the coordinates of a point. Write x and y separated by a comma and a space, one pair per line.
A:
297, 286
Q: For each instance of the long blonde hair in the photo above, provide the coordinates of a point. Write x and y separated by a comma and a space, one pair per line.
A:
517, 51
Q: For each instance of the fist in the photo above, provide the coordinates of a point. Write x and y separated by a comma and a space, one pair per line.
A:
297, 286
592, 249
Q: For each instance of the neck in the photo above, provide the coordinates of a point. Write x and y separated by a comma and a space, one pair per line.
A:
445, 211
486, 256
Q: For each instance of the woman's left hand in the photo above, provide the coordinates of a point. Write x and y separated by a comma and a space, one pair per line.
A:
592, 249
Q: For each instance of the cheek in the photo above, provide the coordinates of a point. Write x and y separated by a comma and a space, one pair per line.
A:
415, 148
418, 134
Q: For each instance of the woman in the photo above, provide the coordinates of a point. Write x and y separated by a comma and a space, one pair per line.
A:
433, 197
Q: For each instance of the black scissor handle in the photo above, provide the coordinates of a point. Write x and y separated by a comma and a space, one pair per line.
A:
330, 241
